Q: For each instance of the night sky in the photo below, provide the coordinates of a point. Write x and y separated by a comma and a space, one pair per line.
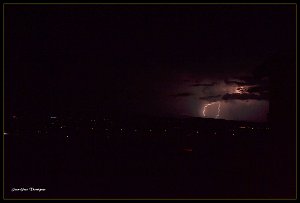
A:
166, 60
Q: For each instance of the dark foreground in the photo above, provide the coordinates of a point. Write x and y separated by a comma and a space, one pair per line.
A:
147, 165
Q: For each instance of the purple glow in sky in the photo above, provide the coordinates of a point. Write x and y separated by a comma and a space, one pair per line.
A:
230, 99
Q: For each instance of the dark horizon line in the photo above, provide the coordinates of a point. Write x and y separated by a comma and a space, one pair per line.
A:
123, 115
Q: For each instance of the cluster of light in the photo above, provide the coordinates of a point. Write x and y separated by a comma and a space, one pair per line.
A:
219, 108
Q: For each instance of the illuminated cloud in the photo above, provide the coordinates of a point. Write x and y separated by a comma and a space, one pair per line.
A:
210, 97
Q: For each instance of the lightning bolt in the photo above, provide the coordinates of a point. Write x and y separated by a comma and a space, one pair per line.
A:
219, 108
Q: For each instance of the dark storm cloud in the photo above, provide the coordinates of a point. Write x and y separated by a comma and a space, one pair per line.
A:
183, 94
241, 81
203, 84
210, 97
258, 89
255, 86
249, 80
247, 96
